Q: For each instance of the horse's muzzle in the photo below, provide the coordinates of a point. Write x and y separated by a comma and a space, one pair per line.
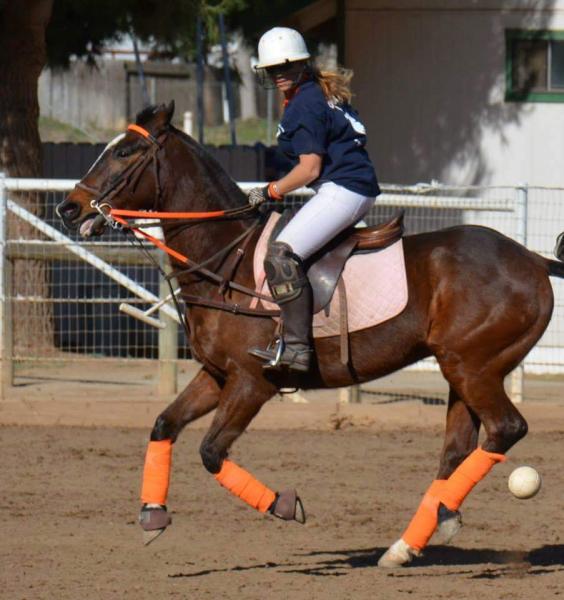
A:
68, 211
89, 225
93, 225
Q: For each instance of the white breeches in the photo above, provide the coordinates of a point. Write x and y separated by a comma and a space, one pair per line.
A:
332, 209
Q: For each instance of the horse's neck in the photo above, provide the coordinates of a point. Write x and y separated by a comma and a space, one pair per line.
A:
198, 184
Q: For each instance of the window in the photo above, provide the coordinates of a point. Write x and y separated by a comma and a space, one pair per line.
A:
534, 66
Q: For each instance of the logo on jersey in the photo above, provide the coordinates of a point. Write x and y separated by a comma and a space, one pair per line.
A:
357, 126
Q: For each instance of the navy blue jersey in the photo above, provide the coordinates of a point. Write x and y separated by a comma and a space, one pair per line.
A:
312, 125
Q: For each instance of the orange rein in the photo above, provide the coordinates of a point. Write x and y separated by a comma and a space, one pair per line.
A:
147, 214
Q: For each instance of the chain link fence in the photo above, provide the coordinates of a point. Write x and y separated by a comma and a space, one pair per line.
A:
60, 295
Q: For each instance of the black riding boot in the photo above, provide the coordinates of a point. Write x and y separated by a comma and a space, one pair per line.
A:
290, 288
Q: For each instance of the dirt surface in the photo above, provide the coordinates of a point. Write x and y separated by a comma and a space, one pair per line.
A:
70, 502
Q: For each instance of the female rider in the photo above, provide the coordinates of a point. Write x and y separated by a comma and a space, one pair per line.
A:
321, 134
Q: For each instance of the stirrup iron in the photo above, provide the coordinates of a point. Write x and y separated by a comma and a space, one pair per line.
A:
280, 347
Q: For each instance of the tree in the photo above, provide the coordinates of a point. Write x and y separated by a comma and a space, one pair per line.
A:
169, 26
22, 57
77, 27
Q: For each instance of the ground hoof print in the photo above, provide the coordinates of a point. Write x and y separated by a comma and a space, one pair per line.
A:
450, 523
288, 506
153, 520
397, 555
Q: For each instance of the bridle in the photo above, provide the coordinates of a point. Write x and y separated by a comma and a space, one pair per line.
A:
128, 177
117, 218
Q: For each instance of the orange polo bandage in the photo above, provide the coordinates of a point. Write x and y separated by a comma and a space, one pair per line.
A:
472, 470
450, 492
156, 474
425, 520
245, 486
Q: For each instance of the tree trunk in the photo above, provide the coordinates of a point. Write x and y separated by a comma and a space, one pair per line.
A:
22, 57
248, 90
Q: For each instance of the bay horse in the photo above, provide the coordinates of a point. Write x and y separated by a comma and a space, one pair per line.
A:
478, 302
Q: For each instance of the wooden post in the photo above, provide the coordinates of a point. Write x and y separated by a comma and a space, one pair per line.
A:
517, 385
350, 395
227, 77
168, 343
521, 214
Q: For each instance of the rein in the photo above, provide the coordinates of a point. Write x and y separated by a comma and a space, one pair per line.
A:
117, 218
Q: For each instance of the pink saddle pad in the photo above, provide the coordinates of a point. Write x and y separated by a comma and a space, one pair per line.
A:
376, 286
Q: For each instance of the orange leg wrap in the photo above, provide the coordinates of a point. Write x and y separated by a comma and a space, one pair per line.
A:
156, 474
243, 485
472, 470
424, 522
451, 492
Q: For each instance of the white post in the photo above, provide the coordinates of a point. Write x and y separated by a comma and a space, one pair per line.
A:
6, 363
188, 123
269, 115
168, 342
224, 103
521, 215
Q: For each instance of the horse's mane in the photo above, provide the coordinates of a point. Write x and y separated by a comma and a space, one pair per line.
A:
213, 170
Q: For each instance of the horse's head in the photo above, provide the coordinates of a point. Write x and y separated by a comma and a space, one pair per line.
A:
125, 175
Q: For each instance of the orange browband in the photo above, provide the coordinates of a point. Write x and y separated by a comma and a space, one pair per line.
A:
140, 130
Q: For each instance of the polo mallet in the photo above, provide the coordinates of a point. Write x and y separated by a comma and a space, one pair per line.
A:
145, 316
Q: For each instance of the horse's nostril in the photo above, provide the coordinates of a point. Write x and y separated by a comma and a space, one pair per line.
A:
67, 210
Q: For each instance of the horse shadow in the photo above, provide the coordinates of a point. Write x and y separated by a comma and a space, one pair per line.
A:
335, 563
443, 556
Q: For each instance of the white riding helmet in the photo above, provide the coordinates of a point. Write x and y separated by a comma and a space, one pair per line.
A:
280, 45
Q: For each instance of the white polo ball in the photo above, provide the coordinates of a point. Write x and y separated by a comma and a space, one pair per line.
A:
524, 482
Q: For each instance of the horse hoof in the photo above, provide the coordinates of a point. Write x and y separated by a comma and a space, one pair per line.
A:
450, 523
398, 554
154, 519
288, 506
150, 536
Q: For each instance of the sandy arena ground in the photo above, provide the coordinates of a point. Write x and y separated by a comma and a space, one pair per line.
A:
72, 457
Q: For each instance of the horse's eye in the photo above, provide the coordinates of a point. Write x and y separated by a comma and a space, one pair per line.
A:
123, 153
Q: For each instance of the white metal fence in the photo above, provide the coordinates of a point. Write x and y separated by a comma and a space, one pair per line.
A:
59, 295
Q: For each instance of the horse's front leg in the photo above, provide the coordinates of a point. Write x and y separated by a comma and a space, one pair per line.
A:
461, 439
241, 399
199, 397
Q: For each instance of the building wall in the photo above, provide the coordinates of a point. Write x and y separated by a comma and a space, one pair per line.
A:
430, 78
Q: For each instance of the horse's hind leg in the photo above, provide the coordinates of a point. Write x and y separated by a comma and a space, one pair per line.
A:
485, 397
241, 399
199, 397
461, 438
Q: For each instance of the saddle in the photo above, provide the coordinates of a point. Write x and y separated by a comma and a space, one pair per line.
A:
325, 267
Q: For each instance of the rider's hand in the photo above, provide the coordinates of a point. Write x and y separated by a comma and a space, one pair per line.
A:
258, 195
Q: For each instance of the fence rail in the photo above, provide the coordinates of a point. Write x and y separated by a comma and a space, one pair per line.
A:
82, 283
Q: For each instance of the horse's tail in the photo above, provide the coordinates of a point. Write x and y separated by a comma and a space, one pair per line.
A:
555, 268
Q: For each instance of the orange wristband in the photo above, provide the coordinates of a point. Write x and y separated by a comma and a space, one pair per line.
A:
273, 192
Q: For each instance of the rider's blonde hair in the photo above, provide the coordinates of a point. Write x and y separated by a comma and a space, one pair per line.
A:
334, 83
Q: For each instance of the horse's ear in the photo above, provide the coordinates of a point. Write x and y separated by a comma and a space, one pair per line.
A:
170, 111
